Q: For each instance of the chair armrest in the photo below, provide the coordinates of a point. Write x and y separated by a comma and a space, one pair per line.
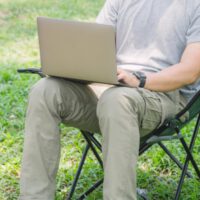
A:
32, 71
193, 106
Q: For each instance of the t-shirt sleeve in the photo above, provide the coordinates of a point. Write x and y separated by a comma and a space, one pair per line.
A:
109, 12
193, 32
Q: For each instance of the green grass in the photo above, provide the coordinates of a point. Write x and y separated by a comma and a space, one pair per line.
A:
18, 49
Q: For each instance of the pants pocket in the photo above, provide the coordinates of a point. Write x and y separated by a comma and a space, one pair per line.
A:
160, 107
152, 117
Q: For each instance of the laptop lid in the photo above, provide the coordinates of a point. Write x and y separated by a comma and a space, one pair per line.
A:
77, 50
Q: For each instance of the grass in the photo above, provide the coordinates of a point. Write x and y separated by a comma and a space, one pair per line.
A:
18, 49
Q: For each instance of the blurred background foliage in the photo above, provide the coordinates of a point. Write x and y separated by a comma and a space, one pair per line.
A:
19, 49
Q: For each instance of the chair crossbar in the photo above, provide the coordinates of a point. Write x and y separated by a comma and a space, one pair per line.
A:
190, 156
91, 189
177, 162
95, 141
87, 138
157, 139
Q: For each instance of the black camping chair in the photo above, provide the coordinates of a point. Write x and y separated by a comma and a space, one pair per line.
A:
170, 130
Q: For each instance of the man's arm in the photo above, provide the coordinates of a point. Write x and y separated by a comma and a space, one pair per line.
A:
176, 76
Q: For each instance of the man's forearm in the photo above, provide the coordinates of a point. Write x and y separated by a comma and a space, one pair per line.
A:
179, 75
171, 78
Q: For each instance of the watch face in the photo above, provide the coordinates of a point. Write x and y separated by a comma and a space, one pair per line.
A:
140, 74
137, 74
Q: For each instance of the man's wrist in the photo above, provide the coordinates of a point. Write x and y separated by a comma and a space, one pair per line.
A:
141, 76
135, 81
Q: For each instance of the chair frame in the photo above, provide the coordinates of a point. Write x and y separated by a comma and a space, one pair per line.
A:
170, 130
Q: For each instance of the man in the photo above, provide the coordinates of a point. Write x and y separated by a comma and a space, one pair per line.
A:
158, 38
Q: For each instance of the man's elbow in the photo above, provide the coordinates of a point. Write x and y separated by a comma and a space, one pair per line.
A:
192, 78
191, 71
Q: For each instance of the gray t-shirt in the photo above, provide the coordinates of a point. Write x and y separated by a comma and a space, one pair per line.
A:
152, 34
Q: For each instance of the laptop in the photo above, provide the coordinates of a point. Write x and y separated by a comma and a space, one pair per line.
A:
80, 51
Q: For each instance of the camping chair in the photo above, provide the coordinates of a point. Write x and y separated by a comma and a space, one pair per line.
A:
170, 130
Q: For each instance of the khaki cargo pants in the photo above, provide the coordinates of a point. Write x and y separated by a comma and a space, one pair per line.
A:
121, 114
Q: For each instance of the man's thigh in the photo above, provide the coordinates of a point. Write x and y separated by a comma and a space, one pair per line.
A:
151, 108
75, 102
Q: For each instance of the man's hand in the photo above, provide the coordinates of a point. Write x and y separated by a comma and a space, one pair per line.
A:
127, 78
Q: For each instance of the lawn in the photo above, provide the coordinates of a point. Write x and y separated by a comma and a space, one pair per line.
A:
19, 49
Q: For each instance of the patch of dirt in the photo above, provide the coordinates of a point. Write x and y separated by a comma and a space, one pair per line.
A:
3, 15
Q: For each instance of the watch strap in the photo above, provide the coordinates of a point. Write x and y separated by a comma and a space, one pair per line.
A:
141, 77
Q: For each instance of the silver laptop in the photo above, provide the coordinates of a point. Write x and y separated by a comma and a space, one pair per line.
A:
77, 50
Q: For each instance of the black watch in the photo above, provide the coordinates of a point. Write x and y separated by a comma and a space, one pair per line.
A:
141, 77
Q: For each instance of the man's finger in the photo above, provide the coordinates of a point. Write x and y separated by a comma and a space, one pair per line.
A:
120, 77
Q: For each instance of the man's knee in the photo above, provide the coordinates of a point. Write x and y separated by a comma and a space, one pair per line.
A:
43, 88
45, 94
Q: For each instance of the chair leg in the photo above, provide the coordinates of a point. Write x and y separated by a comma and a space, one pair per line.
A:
91, 189
91, 143
188, 158
178, 191
73, 187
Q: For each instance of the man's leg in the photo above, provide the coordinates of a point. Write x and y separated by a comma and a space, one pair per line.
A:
51, 101
123, 114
